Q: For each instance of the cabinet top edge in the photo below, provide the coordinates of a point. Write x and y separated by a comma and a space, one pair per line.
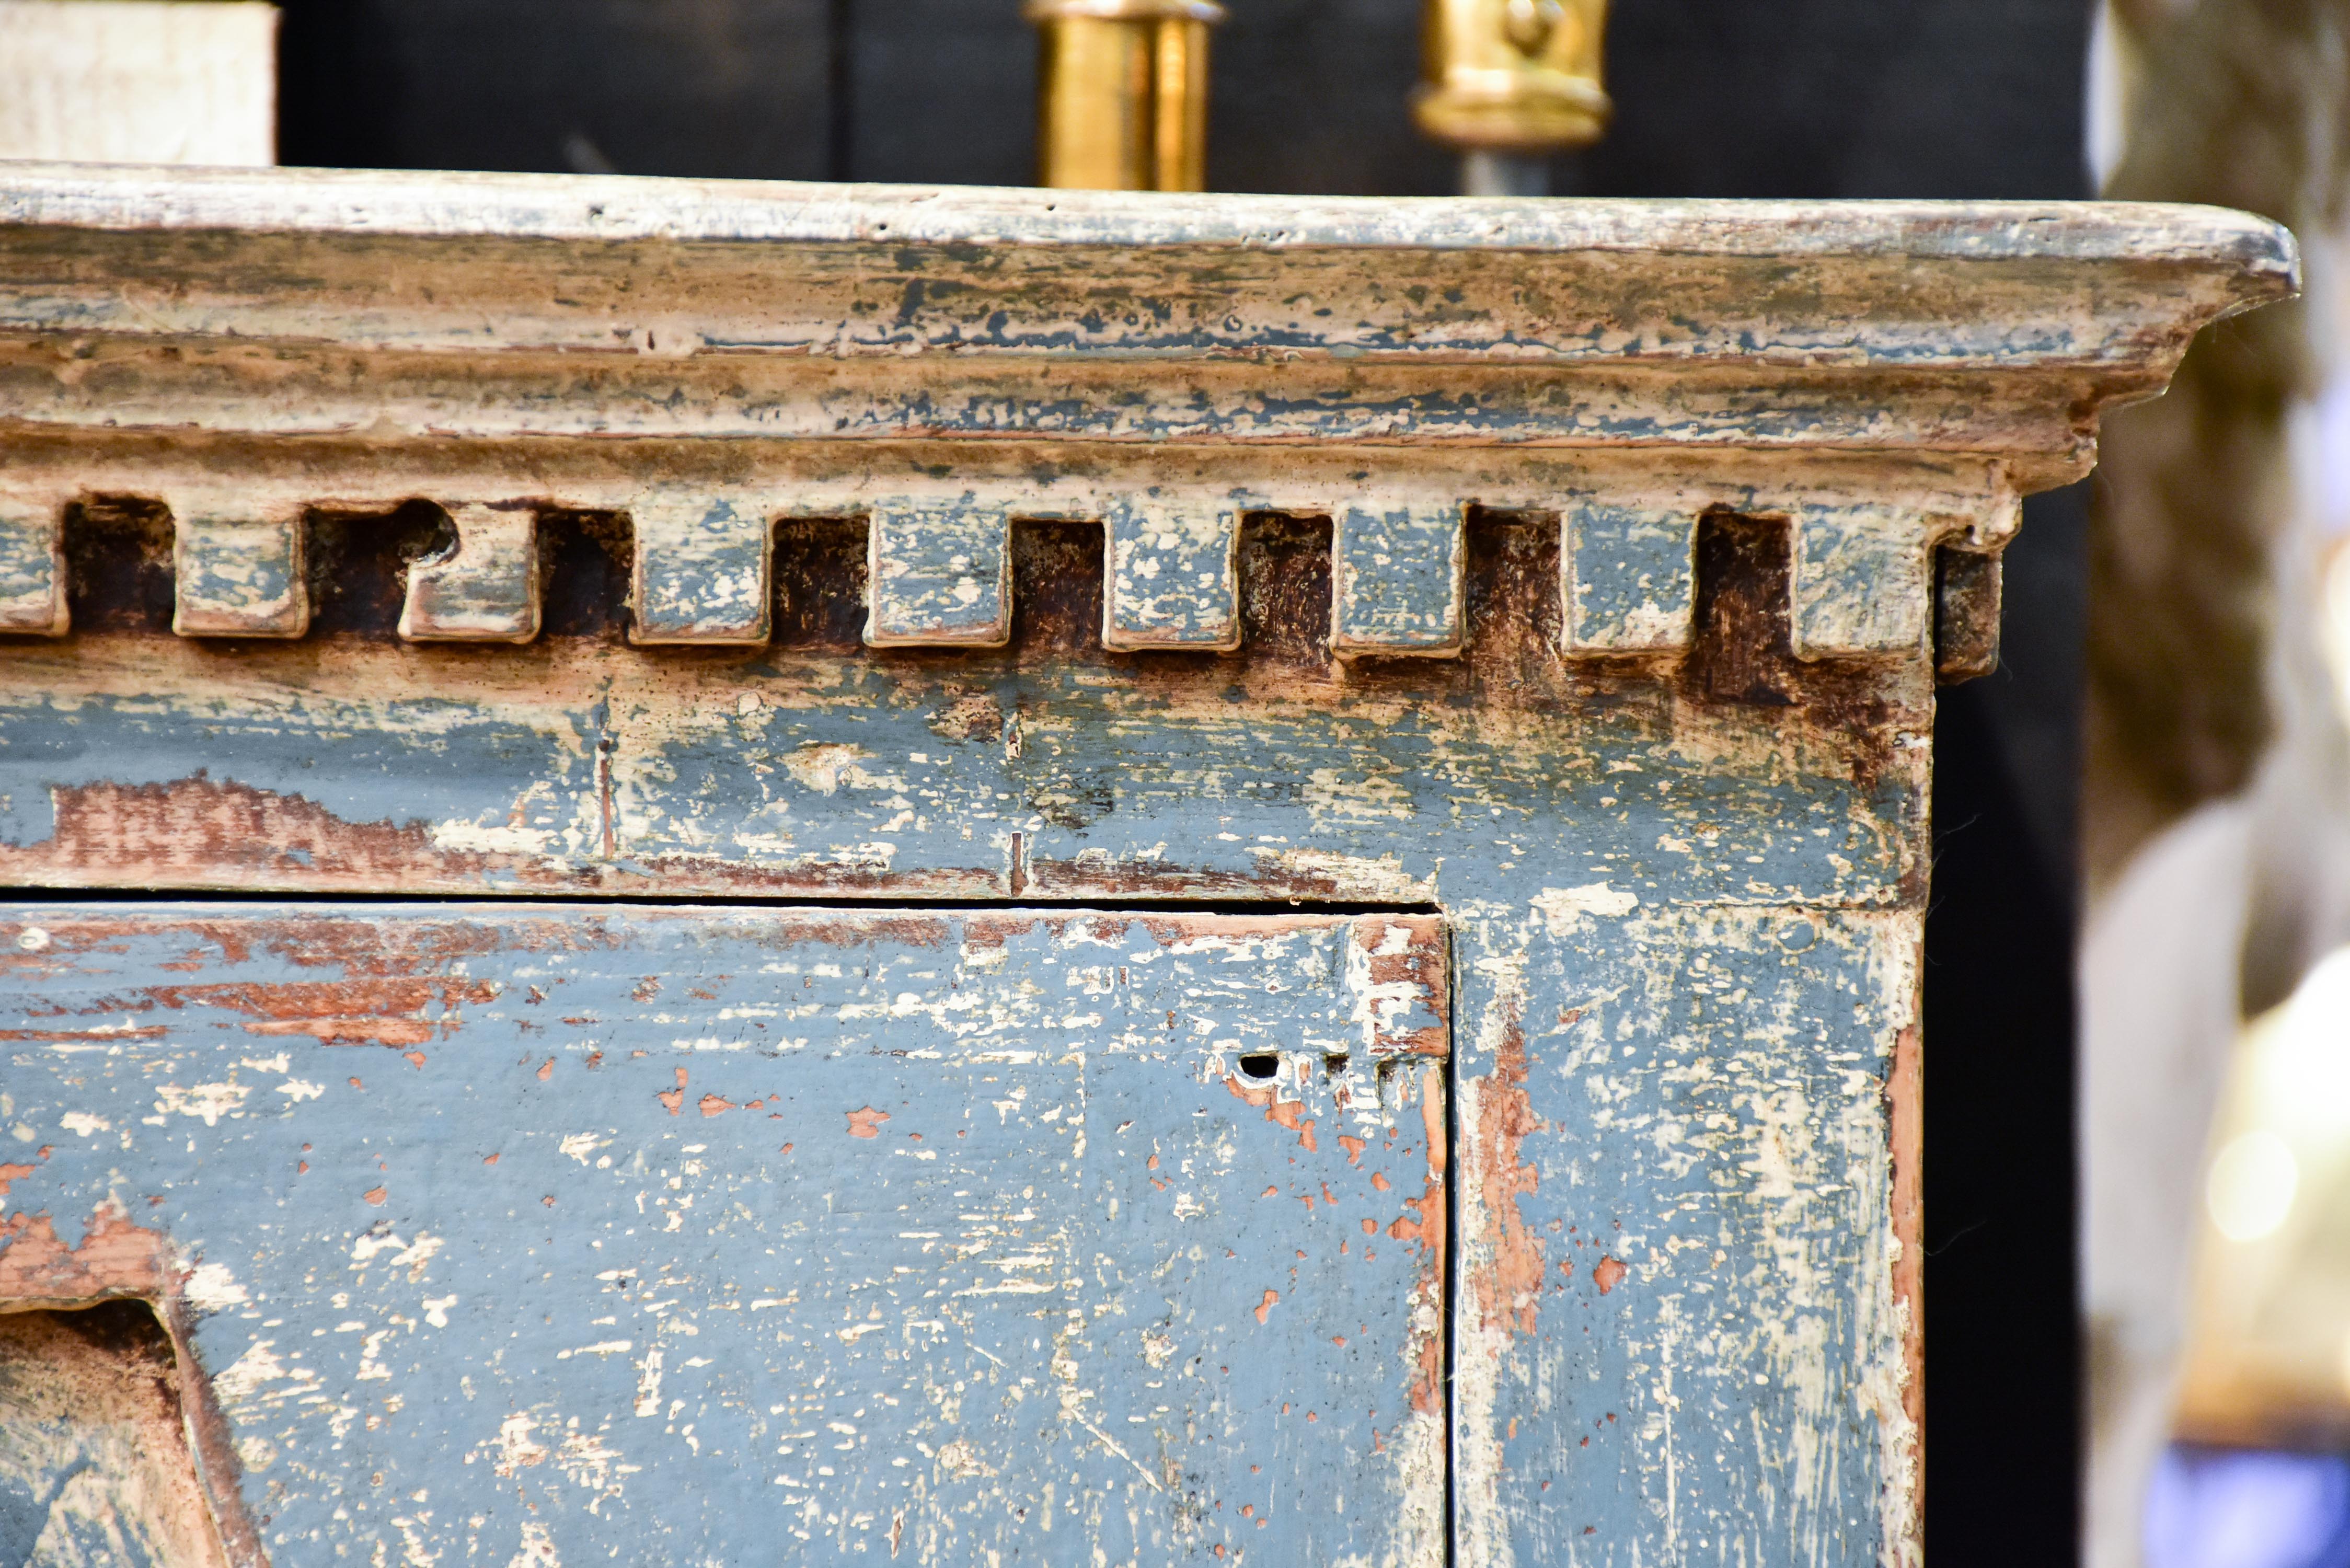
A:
125, 197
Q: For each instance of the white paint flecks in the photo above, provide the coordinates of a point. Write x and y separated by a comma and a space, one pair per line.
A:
1565, 910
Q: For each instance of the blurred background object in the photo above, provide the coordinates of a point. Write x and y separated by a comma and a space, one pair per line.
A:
2268, 1360
1509, 82
139, 81
1122, 93
2216, 1045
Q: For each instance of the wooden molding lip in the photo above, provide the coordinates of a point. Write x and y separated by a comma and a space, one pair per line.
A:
599, 207
483, 263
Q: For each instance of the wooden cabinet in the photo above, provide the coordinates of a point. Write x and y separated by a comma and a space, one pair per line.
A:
714, 872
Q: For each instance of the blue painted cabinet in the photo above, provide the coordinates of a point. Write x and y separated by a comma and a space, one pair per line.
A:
706, 873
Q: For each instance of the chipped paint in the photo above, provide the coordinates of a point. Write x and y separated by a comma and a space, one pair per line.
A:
1679, 1254
1014, 1257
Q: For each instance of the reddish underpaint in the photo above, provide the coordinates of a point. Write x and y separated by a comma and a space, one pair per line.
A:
194, 830
862, 1123
1264, 1307
393, 1032
11, 1173
1423, 964
1903, 1092
376, 1195
1607, 1275
714, 1104
1289, 1113
358, 1012
1511, 1289
116, 1257
672, 1100
1434, 1208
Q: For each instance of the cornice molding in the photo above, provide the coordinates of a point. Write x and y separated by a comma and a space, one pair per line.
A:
708, 357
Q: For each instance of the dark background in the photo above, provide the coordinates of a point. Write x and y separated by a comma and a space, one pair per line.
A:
1952, 99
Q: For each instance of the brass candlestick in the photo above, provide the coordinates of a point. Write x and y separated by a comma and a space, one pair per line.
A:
1122, 93
1509, 82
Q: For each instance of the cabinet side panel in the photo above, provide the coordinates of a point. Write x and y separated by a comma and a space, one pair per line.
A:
1684, 1330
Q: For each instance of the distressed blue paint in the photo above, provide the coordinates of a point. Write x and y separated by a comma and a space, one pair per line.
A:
941, 573
749, 772
608, 1267
701, 568
1630, 576
1862, 581
1396, 578
31, 571
1171, 581
1133, 782
1677, 1339
487, 590
238, 576
345, 763
1687, 907
785, 398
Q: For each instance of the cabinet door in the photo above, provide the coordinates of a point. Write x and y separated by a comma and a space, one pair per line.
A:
540, 1234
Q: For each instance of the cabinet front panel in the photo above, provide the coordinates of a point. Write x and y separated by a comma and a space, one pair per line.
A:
542, 1233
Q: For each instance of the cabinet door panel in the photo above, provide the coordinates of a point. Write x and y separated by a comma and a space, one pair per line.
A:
542, 1234
1688, 1250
